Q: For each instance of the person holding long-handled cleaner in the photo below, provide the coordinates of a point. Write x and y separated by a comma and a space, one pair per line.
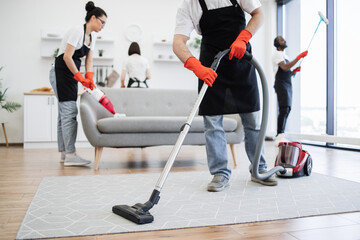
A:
77, 43
233, 89
283, 85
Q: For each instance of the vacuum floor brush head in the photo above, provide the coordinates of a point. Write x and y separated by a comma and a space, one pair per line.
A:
133, 213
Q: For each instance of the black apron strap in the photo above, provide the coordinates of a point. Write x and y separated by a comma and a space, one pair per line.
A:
84, 36
84, 33
203, 5
235, 3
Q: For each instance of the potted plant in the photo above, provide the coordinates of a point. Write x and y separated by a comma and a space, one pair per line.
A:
101, 51
196, 43
56, 52
7, 105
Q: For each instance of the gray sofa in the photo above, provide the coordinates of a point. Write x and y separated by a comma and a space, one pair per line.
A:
153, 117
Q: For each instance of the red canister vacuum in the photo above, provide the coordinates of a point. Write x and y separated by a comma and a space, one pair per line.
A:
296, 161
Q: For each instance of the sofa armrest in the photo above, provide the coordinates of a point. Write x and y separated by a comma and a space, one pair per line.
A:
90, 112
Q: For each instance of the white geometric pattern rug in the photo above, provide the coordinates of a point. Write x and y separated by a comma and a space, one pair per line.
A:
82, 205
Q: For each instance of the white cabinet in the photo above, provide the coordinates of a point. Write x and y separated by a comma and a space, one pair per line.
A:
40, 121
39, 117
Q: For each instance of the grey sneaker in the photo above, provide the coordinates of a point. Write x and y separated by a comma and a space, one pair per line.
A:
63, 156
74, 160
267, 182
218, 183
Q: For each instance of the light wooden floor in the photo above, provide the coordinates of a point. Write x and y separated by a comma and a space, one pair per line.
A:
21, 171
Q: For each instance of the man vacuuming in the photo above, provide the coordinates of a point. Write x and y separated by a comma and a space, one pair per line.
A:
283, 85
233, 89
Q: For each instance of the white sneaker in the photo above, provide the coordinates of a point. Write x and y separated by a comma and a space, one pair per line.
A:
74, 160
63, 156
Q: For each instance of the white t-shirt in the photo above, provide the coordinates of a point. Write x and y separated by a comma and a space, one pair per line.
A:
278, 57
136, 66
189, 13
75, 37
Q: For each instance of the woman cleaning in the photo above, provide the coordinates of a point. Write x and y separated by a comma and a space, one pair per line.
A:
78, 42
137, 67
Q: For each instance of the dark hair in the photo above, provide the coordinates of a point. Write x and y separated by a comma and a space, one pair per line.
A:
276, 42
134, 48
92, 10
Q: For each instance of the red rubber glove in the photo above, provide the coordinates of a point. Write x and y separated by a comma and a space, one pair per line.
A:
302, 55
89, 75
85, 82
296, 70
238, 47
204, 73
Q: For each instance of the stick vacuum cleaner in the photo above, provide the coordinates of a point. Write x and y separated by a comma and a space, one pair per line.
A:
139, 213
103, 100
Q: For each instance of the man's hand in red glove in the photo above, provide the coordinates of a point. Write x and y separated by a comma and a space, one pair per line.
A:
204, 73
238, 47
85, 82
302, 55
296, 70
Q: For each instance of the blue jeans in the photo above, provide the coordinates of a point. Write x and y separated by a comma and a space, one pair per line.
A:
66, 122
216, 150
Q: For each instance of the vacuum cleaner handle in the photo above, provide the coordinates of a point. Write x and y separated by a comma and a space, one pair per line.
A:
247, 56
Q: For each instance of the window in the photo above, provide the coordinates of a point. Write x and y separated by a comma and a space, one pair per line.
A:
313, 68
348, 78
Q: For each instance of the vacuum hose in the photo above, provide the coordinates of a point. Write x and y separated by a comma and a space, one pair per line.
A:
265, 114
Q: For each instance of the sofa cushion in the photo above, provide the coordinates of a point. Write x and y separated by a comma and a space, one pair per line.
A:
156, 124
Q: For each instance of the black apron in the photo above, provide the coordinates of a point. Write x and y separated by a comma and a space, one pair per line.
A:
67, 86
138, 83
235, 90
283, 87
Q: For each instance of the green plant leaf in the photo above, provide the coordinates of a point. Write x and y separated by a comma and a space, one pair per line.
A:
8, 106
2, 96
11, 106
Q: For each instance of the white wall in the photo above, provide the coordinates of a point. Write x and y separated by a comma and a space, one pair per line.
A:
21, 23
